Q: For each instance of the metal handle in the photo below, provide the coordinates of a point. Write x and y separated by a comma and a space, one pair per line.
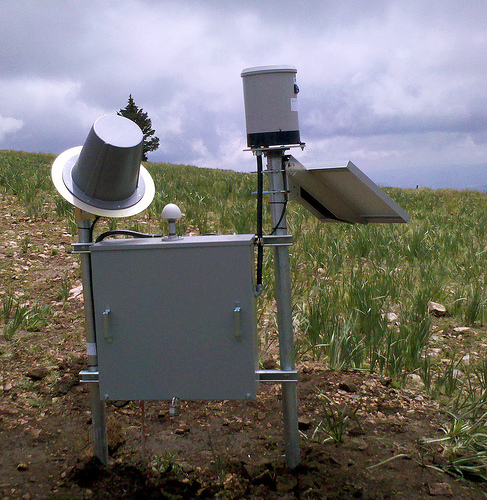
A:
237, 319
106, 331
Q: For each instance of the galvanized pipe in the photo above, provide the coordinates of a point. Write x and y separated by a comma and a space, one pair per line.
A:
98, 411
277, 183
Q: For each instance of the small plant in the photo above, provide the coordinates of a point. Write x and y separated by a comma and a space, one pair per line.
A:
449, 381
165, 463
473, 305
62, 207
465, 441
37, 317
63, 291
8, 305
17, 319
25, 244
333, 424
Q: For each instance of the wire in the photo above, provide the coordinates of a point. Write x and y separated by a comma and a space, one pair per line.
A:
92, 227
126, 232
284, 206
276, 227
260, 248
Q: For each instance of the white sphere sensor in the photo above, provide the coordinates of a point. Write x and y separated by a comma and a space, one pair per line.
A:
171, 212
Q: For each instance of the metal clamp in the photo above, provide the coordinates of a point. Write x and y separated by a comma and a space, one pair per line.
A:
89, 376
277, 376
277, 240
81, 247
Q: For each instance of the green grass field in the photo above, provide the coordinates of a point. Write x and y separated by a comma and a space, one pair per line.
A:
360, 293
348, 281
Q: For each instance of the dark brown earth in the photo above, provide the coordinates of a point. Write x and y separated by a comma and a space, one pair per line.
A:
212, 449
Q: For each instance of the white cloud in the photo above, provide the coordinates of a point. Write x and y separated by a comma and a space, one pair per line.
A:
9, 125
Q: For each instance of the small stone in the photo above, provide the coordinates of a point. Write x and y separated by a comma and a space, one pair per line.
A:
270, 364
182, 430
186, 467
304, 423
63, 386
440, 490
348, 386
413, 380
391, 317
356, 431
37, 373
436, 309
22, 467
76, 293
285, 483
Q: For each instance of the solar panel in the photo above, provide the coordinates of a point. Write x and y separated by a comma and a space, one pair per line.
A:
341, 193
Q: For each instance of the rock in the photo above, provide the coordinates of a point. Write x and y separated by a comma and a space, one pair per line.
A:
22, 467
461, 329
436, 309
440, 490
347, 385
76, 293
391, 317
67, 382
285, 483
356, 431
304, 423
186, 467
37, 373
270, 364
358, 444
182, 430
414, 381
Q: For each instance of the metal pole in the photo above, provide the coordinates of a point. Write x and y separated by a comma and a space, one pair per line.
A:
275, 169
98, 413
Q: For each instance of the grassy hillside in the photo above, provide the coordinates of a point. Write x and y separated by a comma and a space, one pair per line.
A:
360, 293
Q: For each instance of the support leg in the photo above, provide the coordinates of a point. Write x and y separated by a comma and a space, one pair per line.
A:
284, 307
98, 412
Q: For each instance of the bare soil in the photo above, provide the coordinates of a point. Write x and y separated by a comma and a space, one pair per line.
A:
227, 450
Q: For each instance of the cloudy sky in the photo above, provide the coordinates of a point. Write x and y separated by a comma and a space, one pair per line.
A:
398, 87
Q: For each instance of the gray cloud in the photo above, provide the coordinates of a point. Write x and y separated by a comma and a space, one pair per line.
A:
387, 84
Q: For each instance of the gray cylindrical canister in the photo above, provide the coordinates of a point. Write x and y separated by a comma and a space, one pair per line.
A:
271, 106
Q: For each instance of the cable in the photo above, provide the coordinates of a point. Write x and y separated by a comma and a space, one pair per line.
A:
276, 227
284, 207
126, 232
260, 247
92, 227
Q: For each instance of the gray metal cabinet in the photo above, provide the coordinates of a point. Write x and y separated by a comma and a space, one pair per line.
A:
175, 318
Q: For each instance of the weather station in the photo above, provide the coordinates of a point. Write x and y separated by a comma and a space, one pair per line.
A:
342, 194
171, 317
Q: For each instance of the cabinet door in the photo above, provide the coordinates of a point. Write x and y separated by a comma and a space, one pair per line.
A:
175, 322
